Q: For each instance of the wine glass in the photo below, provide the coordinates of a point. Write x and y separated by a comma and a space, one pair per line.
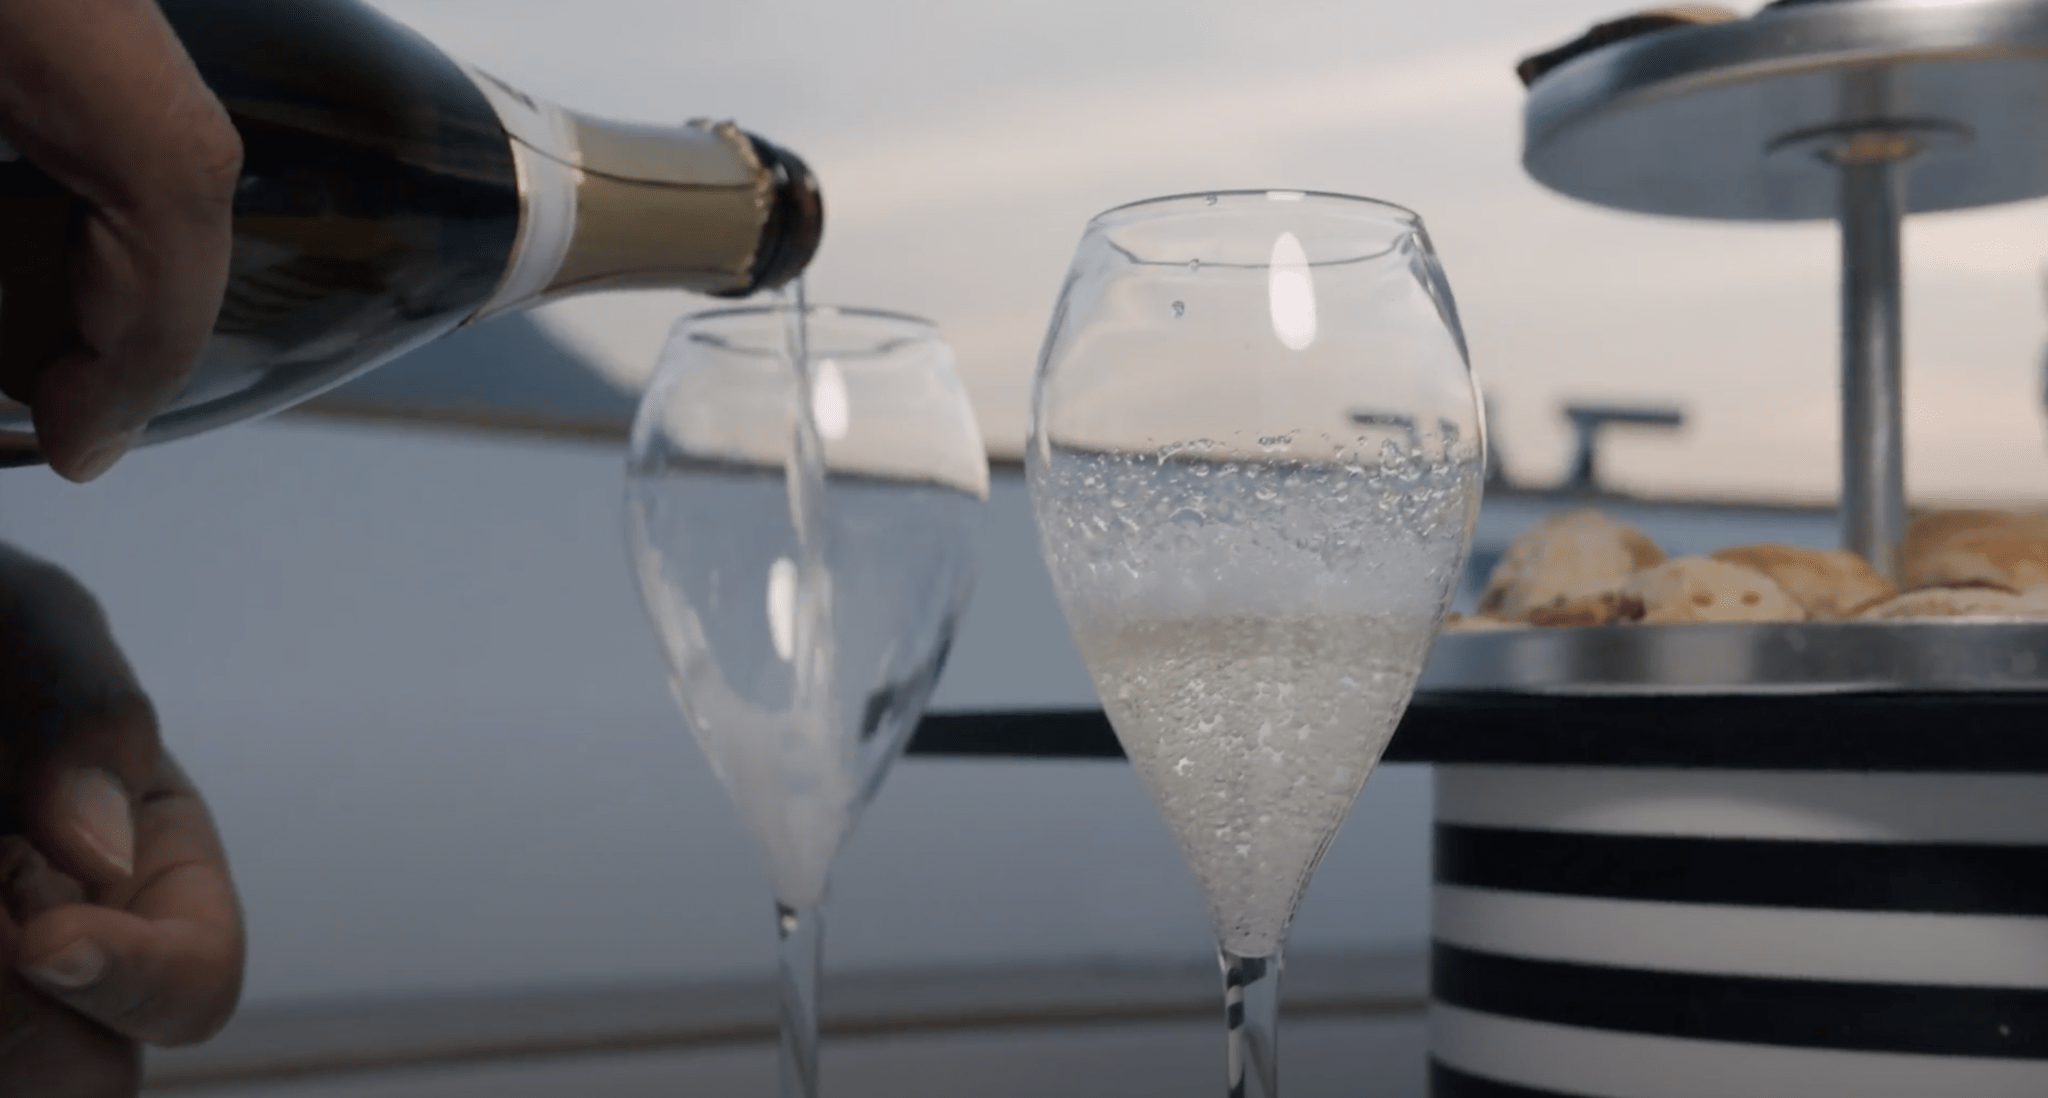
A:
1255, 460
800, 540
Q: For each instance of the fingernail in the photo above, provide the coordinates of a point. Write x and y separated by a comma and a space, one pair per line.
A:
74, 968
101, 458
99, 802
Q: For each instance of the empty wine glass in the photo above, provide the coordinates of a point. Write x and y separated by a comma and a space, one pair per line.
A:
804, 630
1255, 460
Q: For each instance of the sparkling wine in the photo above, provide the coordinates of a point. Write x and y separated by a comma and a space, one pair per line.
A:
1254, 736
1254, 627
813, 632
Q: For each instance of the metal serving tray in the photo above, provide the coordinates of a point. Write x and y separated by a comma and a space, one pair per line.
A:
1789, 658
1722, 120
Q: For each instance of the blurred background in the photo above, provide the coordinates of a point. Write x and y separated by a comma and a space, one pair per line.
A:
964, 145
409, 666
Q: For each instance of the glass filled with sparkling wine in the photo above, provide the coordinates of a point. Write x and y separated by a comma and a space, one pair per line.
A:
798, 492
1255, 460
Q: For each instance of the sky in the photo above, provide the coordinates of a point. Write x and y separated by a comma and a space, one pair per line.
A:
963, 145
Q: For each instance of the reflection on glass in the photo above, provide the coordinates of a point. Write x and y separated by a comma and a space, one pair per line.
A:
1255, 461
802, 653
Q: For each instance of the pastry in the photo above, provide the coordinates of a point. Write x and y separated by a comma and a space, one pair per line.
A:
1827, 584
2003, 549
1954, 602
1566, 557
1704, 589
1605, 608
1476, 623
1532, 69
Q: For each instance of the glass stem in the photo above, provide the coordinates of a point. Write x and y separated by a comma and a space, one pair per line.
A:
1251, 1010
801, 931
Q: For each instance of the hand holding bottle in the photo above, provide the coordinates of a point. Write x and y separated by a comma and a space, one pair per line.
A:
379, 192
101, 96
118, 920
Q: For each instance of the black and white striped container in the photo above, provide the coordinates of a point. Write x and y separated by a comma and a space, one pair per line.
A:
1710, 931
1802, 860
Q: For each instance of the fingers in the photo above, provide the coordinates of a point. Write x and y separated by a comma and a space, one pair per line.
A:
49, 1051
166, 983
82, 741
28, 884
147, 286
155, 951
158, 958
80, 798
102, 97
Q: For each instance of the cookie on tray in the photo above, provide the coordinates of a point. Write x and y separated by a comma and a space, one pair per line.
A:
1605, 608
2003, 549
1695, 589
1568, 556
1956, 602
1650, 21
1477, 623
1829, 584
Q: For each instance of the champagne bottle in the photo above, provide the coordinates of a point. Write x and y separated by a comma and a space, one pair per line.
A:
390, 194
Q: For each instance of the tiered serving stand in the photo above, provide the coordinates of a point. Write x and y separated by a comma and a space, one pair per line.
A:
1804, 859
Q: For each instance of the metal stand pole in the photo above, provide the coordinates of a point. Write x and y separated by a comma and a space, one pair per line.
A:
1873, 423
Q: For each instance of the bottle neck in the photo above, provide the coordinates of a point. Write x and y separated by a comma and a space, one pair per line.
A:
705, 207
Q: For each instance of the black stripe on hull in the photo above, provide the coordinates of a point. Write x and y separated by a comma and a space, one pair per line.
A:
1448, 1082
1931, 878
1028, 734
1909, 733
1906, 733
2001, 1023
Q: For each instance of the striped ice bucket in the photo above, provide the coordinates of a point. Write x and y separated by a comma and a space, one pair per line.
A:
1770, 908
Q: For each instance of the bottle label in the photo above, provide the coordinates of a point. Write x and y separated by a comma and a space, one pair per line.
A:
544, 149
